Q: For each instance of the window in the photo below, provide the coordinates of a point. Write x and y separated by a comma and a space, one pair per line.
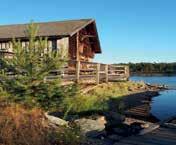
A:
54, 45
5, 45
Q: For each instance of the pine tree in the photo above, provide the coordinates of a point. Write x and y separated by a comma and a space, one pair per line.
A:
31, 65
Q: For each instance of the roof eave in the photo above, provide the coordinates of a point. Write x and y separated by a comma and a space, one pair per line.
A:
77, 30
91, 21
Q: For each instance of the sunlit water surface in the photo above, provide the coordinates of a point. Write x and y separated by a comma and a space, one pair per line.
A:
163, 106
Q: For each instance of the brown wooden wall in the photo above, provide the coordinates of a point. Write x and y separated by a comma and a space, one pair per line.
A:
86, 52
72, 47
85, 48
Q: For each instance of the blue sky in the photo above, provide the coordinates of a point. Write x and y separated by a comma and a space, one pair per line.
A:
129, 30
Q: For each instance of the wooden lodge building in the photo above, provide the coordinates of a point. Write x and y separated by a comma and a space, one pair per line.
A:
79, 38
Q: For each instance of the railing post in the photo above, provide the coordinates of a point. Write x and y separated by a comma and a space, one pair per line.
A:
106, 73
98, 73
127, 72
77, 71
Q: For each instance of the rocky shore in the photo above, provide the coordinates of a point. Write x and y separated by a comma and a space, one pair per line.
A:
112, 126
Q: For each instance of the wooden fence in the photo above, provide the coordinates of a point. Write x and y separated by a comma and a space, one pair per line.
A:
82, 71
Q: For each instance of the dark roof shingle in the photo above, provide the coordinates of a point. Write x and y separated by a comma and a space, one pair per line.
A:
59, 28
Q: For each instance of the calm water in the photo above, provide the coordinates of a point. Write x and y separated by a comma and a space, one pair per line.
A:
163, 106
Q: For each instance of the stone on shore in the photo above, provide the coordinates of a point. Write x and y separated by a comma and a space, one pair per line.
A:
55, 121
91, 128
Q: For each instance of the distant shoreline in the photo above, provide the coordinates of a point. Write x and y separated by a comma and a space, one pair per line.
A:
152, 74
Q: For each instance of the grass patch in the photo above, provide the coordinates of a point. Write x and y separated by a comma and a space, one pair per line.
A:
97, 100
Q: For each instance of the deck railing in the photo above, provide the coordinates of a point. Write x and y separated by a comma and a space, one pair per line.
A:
83, 71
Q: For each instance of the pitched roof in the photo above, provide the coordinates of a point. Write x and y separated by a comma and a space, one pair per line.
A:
58, 28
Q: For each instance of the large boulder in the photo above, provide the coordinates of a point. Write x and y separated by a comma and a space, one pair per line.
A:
90, 127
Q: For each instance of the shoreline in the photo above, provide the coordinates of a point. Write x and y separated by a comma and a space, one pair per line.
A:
113, 126
130, 125
139, 103
152, 74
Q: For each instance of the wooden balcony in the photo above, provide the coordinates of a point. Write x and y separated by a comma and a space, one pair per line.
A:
86, 72
91, 72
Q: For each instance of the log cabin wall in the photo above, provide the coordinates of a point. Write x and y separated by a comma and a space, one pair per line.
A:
80, 47
86, 52
72, 47
60, 44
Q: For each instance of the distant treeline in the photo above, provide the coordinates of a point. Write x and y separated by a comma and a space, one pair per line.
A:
152, 68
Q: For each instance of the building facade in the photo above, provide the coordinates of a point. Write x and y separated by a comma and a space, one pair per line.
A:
79, 38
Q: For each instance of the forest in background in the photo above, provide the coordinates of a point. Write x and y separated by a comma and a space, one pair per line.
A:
152, 68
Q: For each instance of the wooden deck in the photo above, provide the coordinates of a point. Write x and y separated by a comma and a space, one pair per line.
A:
81, 71
160, 136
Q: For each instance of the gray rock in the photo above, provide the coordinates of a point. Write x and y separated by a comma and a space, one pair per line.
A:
55, 120
91, 128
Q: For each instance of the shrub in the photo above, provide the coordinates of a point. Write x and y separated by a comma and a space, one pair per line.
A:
20, 126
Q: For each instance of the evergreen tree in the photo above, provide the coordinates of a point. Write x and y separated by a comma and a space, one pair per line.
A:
31, 65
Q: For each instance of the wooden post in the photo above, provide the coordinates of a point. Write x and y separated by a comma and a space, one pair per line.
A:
106, 73
77, 46
77, 71
98, 73
127, 73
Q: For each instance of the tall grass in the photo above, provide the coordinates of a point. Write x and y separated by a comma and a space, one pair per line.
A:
98, 98
21, 126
